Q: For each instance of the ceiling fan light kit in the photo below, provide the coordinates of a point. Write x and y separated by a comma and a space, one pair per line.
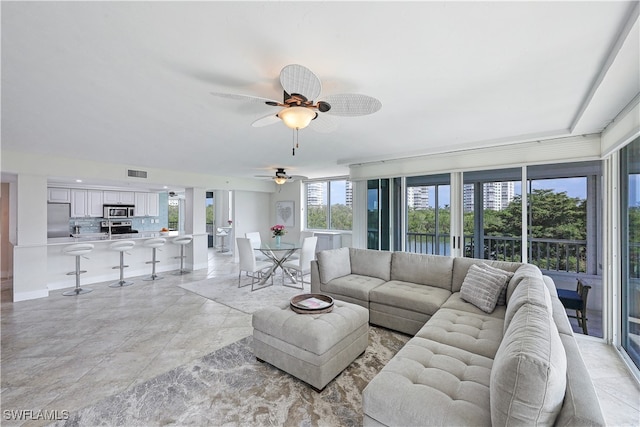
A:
297, 117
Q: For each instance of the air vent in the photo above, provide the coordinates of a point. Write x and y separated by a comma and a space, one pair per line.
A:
136, 174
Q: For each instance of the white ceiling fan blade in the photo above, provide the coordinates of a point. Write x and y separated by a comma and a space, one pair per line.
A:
249, 98
295, 78
352, 104
266, 121
323, 123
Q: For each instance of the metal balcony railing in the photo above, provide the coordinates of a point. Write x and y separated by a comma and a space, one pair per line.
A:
548, 254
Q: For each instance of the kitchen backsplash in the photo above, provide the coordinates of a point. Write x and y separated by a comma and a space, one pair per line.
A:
92, 225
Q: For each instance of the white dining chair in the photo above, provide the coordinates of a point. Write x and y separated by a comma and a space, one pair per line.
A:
248, 263
302, 266
303, 235
256, 242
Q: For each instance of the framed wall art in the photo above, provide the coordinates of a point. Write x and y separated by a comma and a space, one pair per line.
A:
285, 214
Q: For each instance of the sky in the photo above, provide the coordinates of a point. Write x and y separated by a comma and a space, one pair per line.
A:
574, 187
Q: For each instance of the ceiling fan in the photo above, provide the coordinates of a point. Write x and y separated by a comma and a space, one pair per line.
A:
280, 177
299, 107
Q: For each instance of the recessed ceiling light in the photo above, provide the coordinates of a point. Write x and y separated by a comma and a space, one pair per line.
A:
78, 180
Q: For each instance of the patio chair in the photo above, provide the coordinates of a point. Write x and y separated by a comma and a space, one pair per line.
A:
576, 300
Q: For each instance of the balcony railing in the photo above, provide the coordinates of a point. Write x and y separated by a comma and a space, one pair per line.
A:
548, 254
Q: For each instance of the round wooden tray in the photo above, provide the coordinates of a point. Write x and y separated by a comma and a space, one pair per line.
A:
311, 303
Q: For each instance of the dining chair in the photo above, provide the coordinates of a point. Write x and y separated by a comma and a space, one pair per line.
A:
303, 235
256, 242
302, 266
248, 263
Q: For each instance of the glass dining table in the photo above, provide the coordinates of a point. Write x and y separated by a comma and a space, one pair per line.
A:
278, 254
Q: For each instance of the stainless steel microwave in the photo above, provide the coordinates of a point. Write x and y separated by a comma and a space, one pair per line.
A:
118, 211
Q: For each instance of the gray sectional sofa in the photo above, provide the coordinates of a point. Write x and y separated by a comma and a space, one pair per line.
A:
492, 344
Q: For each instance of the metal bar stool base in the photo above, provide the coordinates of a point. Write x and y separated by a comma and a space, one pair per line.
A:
181, 272
77, 291
153, 277
120, 284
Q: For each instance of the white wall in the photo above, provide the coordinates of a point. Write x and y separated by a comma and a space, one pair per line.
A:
251, 211
291, 191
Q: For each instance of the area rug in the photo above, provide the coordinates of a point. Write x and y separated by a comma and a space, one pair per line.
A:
230, 387
224, 290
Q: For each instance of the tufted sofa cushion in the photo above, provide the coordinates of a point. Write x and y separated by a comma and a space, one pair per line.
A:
476, 333
430, 383
410, 296
352, 285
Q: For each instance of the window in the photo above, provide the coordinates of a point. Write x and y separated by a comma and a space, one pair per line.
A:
329, 205
630, 216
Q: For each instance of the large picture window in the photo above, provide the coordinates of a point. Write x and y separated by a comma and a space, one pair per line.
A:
630, 237
329, 205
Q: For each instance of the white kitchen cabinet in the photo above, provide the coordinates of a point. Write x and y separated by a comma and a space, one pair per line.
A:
153, 204
140, 204
78, 203
94, 203
119, 197
147, 204
86, 203
58, 195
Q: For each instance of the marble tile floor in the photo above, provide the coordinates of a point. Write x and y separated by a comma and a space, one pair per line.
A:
64, 353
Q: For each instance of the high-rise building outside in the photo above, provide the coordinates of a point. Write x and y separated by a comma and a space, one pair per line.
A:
418, 197
496, 195
315, 193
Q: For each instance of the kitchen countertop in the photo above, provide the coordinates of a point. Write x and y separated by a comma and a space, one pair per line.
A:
104, 237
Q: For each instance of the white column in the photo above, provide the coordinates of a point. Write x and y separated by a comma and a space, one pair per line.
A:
195, 224
359, 206
30, 253
457, 209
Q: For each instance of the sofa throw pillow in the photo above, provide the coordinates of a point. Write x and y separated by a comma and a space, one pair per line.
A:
482, 287
502, 298
333, 263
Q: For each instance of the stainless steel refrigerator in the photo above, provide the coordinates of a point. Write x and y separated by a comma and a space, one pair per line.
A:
58, 215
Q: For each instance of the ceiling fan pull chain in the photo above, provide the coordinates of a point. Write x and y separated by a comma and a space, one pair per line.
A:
293, 143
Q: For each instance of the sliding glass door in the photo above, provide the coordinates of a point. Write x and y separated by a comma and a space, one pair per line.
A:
630, 238
428, 214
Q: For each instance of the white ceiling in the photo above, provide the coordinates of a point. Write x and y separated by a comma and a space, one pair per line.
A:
130, 82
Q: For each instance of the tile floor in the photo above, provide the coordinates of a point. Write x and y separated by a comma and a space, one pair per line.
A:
64, 353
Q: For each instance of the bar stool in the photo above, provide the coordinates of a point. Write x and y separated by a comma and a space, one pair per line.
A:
77, 250
121, 247
221, 233
182, 241
154, 244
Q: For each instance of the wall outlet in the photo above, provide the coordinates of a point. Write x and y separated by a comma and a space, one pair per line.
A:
143, 221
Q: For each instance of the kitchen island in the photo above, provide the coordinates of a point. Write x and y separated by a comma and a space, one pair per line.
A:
101, 262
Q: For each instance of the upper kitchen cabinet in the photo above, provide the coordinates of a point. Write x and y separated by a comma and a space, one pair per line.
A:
119, 197
58, 195
86, 203
147, 204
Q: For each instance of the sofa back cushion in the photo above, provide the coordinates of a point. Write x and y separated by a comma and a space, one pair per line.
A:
433, 270
461, 267
530, 290
529, 372
333, 263
369, 262
524, 271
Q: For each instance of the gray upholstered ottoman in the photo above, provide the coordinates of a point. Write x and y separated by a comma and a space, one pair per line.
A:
312, 347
